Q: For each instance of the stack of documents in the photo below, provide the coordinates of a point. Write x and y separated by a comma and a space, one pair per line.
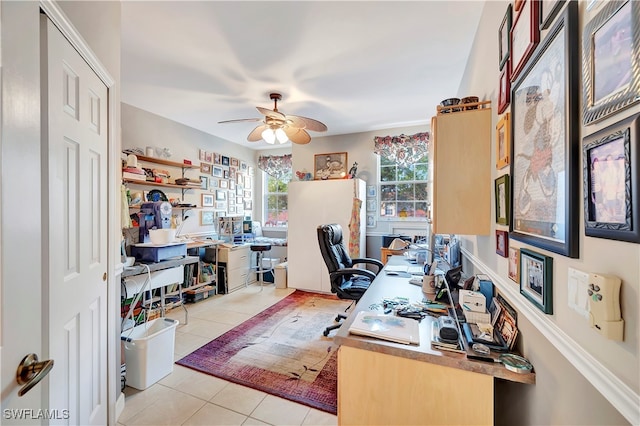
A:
386, 327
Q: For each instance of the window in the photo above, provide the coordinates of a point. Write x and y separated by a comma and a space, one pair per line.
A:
276, 205
404, 191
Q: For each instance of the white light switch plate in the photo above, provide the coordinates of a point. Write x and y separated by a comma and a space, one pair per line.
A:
578, 298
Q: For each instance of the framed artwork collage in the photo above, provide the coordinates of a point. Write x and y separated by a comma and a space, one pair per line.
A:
228, 185
542, 78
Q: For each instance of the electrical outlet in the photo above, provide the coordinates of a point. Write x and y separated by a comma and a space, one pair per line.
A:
578, 298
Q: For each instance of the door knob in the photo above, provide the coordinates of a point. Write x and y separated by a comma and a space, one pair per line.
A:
31, 371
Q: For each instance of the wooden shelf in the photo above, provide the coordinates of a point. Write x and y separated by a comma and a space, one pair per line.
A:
164, 185
166, 162
452, 109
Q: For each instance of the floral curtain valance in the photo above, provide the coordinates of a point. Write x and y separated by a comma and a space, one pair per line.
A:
403, 150
277, 166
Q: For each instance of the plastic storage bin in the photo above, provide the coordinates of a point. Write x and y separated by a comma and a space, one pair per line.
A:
267, 263
281, 275
148, 351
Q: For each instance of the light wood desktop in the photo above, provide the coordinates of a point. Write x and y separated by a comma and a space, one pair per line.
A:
381, 382
386, 252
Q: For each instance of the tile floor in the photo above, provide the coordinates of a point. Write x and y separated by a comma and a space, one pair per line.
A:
188, 397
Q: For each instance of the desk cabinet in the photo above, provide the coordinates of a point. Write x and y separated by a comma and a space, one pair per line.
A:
462, 185
236, 261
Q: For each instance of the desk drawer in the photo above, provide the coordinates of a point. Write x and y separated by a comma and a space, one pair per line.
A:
236, 278
235, 258
160, 278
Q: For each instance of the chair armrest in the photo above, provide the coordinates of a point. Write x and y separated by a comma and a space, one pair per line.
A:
370, 261
353, 271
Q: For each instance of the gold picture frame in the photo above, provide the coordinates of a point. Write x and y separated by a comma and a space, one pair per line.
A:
503, 141
330, 166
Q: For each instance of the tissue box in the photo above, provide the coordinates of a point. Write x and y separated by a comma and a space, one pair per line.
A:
473, 301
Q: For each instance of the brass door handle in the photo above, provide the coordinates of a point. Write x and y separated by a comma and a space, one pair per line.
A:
31, 371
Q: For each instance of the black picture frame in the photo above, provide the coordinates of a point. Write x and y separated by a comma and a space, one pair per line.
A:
524, 36
610, 62
504, 38
548, 11
610, 181
536, 279
503, 200
545, 143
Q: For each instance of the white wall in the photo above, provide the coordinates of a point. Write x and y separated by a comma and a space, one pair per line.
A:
564, 393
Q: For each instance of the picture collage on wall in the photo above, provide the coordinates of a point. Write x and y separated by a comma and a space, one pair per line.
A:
228, 182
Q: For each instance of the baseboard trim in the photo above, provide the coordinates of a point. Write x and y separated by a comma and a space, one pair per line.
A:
620, 395
119, 405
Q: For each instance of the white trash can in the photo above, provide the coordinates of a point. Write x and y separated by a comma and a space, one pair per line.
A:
281, 275
148, 351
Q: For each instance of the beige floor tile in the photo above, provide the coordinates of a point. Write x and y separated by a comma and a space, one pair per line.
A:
317, 418
173, 408
193, 382
204, 328
280, 411
138, 400
239, 398
223, 316
212, 414
253, 422
187, 343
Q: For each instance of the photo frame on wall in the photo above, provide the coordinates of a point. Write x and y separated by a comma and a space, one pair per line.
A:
536, 275
205, 168
514, 264
503, 141
548, 11
525, 35
502, 242
544, 147
502, 194
504, 90
206, 200
330, 166
204, 182
206, 217
610, 68
610, 181
504, 39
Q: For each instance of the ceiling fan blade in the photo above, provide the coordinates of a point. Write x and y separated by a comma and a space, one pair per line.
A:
307, 123
299, 136
271, 113
240, 120
256, 134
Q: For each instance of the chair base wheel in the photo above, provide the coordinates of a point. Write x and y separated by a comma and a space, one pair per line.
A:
326, 333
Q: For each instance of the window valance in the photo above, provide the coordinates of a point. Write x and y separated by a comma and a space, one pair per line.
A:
277, 166
403, 150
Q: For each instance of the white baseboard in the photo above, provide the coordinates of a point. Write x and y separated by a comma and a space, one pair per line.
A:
621, 396
119, 405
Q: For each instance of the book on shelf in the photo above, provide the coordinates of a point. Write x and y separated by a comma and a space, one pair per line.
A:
386, 327
134, 176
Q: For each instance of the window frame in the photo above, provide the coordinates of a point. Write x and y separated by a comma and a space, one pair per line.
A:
379, 199
265, 205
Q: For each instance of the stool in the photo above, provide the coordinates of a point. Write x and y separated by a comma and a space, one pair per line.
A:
260, 250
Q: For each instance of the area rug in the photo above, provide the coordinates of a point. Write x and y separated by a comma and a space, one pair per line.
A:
280, 351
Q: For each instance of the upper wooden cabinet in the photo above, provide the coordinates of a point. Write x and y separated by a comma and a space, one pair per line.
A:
461, 165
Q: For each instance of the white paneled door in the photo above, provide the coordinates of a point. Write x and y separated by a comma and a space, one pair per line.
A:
75, 168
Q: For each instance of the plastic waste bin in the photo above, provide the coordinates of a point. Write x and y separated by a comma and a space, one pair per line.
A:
148, 351
281, 275
269, 263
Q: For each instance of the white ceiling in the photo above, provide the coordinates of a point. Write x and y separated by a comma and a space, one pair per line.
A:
355, 66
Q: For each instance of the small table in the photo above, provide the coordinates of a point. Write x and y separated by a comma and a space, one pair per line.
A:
385, 252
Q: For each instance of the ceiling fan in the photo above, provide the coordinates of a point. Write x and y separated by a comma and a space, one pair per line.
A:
279, 127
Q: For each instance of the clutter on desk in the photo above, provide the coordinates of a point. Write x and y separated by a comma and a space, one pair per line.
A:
386, 327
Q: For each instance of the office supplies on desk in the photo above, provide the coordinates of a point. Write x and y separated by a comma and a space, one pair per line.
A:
386, 327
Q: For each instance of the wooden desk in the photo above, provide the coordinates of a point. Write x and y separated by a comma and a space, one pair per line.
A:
382, 383
385, 252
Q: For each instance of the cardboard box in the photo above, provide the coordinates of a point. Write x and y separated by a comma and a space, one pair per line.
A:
473, 301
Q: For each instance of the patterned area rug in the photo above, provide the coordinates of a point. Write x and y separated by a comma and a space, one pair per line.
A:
280, 351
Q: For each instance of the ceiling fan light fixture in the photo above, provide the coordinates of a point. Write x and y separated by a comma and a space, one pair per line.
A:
269, 136
281, 136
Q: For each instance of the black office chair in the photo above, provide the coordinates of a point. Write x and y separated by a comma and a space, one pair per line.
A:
346, 281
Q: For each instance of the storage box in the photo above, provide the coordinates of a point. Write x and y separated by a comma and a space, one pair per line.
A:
148, 351
192, 296
477, 317
148, 252
484, 285
281, 275
472, 301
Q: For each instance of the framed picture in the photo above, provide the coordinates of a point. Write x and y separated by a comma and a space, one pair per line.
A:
213, 183
247, 182
536, 274
224, 160
503, 141
502, 242
208, 157
544, 143
221, 195
232, 209
220, 205
225, 174
503, 38
504, 91
371, 205
223, 184
207, 217
246, 194
232, 186
243, 166
330, 166
233, 172
610, 68
371, 221
248, 204
216, 158
239, 190
234, 162
204, 182
610, 181
503, 211
239, 200
202, 155
525, 34
205, 168
517, 4
548, 11
206, 200
371, 190
216, 171
514, 264
250, 170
